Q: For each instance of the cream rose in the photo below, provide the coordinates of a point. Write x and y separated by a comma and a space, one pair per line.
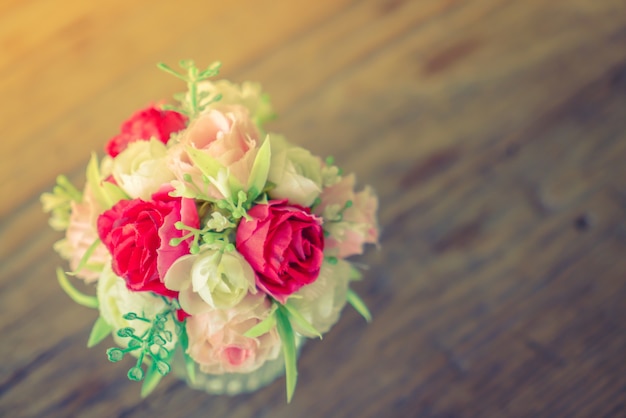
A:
217, 342
296, 173
210, 280
321, 302
141, 169
116, 300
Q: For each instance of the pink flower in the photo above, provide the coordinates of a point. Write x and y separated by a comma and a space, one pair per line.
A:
284, 245
228, 135
351, 217
137, 233
82, 233
217, 342
144, 124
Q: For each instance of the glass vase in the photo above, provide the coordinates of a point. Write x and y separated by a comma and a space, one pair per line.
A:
233, 383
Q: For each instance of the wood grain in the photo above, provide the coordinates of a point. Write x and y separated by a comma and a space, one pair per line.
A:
493, 132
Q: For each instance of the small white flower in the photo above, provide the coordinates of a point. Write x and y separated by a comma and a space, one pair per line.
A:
332, 212
330, 175
219, 222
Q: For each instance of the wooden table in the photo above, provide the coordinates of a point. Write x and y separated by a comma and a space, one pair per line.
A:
493, 131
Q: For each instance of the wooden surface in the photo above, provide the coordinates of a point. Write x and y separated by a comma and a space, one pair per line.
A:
493, 131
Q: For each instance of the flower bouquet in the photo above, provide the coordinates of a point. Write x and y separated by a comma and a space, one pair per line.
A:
208, 238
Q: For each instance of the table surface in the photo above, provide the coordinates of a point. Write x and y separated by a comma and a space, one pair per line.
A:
494, 133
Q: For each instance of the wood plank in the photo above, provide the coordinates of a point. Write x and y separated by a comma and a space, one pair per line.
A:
493, 132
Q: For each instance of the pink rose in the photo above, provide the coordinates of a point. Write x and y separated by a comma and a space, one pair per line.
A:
144, 124
217, 342
284, 245
228, 135
350, 225
82, 233
137, 233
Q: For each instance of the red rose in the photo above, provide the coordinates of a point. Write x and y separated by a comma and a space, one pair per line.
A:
144, 124
284, 245
137, 233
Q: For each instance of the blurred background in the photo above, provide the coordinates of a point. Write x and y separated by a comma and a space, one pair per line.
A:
494, 133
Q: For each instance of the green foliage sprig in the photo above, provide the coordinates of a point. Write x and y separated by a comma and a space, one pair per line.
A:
190, 101
149, 345
58, 203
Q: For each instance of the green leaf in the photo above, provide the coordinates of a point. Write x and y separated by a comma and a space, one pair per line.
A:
234, 185
70, 190
262, 327
215, 172
288, 339
260, 170
77, 296
358, 304
301, 321
212, 70
208, 165
190, 365
94, 180
151, 380
113, 192
107, 194
94, 266
355, 274
101, 329
164, 67
85, 257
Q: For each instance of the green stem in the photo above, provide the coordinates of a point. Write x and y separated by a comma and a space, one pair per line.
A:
141, 318
193, 93
140, 359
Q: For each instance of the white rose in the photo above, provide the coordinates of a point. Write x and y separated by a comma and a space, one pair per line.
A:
296, 173
141, 169
321, 302
116, 300
210, 280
